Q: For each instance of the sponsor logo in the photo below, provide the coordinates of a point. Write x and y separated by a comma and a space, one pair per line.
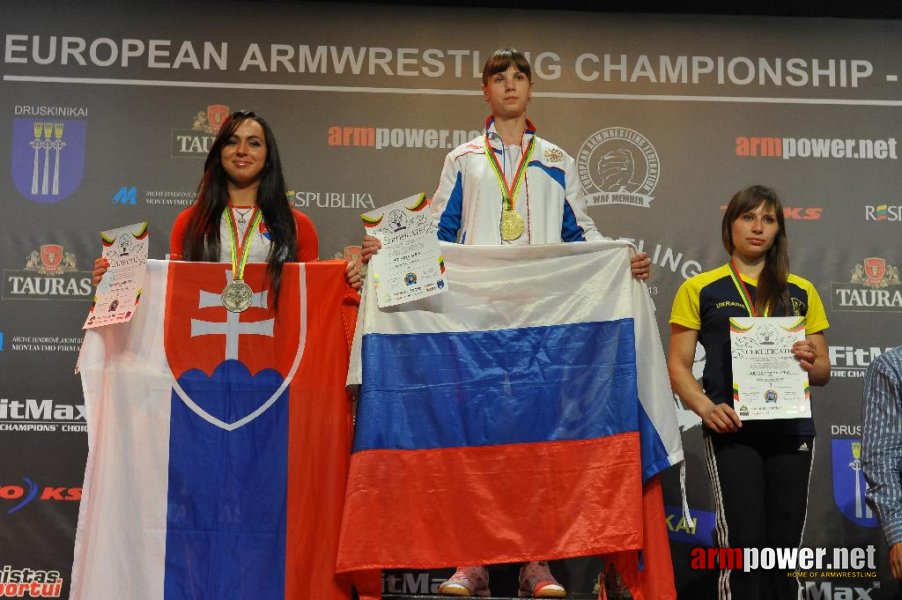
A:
381, 138
827, 590
126, 195
874, 286
41, 416
883, 212
20, 496
618, 166
402, 582
698, 530
851, 362
801, 561
131, 196
323, 199
50, 273
196, 142
42, 343
791, 147
29, 583
848, 482
48, 152
809, 213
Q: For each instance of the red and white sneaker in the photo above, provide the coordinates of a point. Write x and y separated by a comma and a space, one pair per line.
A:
536, 581
467, 581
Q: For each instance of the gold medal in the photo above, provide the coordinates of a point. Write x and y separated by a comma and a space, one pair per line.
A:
237, 296
511, 225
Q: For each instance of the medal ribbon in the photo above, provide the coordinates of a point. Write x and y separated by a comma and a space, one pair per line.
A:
508, 193
239, 253
743, 291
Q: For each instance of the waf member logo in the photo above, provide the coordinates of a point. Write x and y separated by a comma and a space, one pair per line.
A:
874, 286
849, 484
196, 142
214, 354
48, 158
618, 166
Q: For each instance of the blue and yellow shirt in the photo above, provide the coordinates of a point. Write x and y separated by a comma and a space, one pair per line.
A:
706, 302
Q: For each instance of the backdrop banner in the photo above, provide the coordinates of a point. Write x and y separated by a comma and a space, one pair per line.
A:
110, 108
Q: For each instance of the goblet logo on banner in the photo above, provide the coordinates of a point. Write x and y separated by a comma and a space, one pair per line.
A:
47, 168
849, 484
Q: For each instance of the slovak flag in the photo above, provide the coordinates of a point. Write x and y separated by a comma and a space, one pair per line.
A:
218, 441
523, 415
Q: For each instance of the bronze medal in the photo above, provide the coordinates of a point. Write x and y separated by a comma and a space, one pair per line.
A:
237, 296
511, 225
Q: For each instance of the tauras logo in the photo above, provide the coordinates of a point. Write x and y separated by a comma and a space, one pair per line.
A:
196, 142
874, 286
50, 273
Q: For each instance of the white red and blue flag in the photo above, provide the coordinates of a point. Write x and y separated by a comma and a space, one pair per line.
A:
523, 415
218, 441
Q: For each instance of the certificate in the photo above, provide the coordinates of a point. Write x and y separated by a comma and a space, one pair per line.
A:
117, 294
768, 381
409, 266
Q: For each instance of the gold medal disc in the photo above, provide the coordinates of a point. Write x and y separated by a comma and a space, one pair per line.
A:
511, 225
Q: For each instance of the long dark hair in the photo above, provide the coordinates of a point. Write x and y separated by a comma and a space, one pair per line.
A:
772, 291
501, 60
202, 241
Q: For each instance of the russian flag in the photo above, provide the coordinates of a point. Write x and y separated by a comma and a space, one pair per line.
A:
218, 442
514, 418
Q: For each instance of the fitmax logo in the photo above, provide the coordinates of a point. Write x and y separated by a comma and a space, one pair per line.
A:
126, 195
825, 590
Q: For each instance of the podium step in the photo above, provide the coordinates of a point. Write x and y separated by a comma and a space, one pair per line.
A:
574, 596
